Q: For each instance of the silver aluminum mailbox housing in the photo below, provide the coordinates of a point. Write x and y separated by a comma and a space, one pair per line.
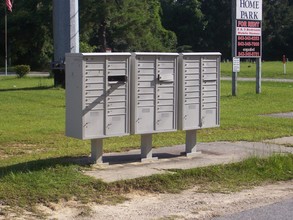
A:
154, 92
97, 95
199, 90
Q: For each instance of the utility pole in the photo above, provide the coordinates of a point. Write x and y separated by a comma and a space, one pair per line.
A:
66, 36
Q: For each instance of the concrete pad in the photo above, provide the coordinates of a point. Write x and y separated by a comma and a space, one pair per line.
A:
281, 115
127, 165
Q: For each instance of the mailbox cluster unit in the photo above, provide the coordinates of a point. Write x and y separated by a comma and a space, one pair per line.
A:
154, 92
116, 94
97, 95
199, 92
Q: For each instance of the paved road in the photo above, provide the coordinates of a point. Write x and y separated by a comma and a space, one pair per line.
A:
31, 74
279, 211
45, 74
253, 79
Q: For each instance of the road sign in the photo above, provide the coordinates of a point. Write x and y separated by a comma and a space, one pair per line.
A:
236, 64
248, 30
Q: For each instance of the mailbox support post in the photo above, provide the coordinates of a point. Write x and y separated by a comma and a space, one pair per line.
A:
146, 147
97, 150
190, 140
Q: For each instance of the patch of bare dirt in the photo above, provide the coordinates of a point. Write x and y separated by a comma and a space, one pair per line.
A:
187, 205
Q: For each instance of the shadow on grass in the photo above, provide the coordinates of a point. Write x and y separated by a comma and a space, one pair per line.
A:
83, 161
27, 89
43, 164
135, 158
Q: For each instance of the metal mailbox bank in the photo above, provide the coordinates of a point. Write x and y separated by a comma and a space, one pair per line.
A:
154, 96
199, 94
97, 97
116, 94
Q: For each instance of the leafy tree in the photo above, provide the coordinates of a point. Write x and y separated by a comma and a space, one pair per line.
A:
277, 29
127, 25
186, 19
144, 25
218, 28
30, 33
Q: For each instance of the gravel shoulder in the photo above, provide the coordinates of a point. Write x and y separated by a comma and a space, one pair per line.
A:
189, 204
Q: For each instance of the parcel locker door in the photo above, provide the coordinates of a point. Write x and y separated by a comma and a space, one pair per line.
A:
191, 92
94, 124
94, 97
145, 97
166, 93
117, 68
210, 91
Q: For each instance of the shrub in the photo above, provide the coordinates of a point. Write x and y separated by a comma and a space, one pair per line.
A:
22, 70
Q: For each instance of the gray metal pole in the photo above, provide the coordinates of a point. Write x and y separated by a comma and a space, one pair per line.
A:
146, 145
97, 151
234, 74
258, 75
66, 36
190, 146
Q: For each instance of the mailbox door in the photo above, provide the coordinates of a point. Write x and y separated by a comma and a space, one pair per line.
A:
106, 96
166, 93
210, 91
191, 92
117, 68
154, 88
145, 68
94, 96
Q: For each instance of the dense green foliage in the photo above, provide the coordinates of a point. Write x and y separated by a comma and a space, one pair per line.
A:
146, 25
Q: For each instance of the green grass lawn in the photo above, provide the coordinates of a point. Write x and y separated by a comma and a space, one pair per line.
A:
269, 69
33, 147
32, 115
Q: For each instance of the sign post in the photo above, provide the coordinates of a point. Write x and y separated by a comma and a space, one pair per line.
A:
234, 74
246, 35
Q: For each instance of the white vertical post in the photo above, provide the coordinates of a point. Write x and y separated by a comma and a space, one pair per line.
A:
97, 150
258, 75
284, 68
